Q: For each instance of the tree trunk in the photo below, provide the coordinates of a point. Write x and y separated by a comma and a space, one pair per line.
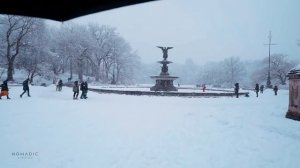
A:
97, 76
80, 70
71, 69
97, 71
32, 75
283, 80
10, 69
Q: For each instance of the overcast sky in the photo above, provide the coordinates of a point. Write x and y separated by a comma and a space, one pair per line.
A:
206, 30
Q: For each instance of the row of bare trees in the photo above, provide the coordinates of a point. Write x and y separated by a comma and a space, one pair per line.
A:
95, 50
226, 72
232, 70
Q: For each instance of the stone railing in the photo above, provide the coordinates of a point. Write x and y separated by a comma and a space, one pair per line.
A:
160, 93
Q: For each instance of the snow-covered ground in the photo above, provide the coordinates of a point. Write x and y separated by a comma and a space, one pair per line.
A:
119, 131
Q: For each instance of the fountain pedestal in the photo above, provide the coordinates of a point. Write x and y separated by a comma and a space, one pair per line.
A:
164, 82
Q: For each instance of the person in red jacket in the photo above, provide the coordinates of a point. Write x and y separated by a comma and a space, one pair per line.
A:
203, 87
4, 90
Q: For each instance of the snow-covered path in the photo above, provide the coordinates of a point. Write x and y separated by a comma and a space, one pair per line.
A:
115, 131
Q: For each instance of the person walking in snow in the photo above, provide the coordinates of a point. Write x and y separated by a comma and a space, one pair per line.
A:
75, 90
275, 89
57, 87
84, 89
203, 87
4, 90
256, 89
262, 88
236, 89
25, 88
60, 83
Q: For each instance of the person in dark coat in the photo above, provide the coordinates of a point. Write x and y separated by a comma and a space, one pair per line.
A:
84, 89
25, 88
236, 89
262, 88
275, 89
60, 83
256, 89
75, 90
4, 90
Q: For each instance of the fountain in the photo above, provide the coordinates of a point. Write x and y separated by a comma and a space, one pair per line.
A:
164, 82
164, 85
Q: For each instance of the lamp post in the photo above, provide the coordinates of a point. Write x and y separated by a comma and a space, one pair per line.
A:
269, 85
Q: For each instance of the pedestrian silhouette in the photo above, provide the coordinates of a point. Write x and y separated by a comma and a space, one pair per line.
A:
4, 90
275, 89
256, 89
236, 89
25, 88
262, 88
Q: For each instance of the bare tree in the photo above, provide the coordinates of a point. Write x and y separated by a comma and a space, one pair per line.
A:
103, 38
14, 28
211, 73
56, 54
233, 70
32, 57
258, 74
125, 63
280, 66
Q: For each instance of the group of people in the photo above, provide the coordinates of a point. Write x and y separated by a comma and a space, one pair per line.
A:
83, 87
5, 90
76, 87
261, 89
257, 89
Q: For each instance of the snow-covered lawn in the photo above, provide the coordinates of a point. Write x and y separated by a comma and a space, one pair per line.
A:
119, 131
